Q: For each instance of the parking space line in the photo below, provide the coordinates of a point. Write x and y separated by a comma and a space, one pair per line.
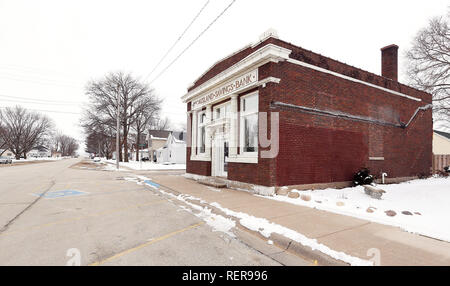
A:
120, 254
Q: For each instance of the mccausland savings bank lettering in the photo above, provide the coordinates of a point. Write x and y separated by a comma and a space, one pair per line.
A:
228, 88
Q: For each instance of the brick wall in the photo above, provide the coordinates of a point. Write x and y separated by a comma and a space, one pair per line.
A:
322, 149
197, 167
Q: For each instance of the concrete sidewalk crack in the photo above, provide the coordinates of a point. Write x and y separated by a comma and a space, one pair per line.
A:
342, 230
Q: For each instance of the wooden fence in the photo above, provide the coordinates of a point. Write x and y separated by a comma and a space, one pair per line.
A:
439, 162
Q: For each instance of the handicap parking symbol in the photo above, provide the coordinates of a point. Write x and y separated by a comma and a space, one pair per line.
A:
59, 194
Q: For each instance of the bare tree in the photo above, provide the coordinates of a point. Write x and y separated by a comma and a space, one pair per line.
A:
103, 95
429, 64
66, 145
160, 123
100, 144
22, 130
147, 110
2, 143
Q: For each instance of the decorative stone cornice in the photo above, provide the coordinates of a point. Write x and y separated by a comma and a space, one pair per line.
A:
267, 53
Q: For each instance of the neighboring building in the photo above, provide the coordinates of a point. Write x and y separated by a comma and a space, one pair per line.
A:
174, 151
156, 139
334, 119
39, 152
143, 153
7, 153
56, 154
131, 155
441, 150
441, 143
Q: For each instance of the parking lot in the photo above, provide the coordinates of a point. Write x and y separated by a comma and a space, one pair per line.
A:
62, 212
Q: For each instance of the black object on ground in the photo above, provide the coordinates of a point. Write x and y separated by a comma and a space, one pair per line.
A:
363, 177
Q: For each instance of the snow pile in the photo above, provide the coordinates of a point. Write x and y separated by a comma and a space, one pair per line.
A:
216, 222
420, 206
134, 180
109, 167
148, 166
266, 228
37, 159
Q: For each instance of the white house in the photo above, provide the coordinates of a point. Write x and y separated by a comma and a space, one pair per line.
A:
7, 153
441, 150
441, 143
173, 151
39, 152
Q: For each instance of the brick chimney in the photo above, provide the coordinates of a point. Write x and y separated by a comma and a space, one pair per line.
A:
389, 62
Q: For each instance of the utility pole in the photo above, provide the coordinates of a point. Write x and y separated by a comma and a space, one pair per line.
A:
118, 128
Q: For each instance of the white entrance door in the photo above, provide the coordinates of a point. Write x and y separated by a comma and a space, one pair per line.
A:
220, 153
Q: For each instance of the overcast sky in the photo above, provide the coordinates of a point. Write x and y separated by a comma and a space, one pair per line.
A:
49, 49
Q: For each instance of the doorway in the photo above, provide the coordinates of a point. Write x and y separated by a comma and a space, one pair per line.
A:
220, 155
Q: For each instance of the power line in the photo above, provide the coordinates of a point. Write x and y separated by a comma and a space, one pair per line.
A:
17, 67
56, 111
40, 100
176, 42
195, 40
52, 111
38, 81
37, 102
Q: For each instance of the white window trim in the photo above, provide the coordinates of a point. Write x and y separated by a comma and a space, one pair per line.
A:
199, 156
199, 134
243, 154
376, 158
242, 159
220, 106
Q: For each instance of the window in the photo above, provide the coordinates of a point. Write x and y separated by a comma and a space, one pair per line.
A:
221, 111
201, 139
249, 124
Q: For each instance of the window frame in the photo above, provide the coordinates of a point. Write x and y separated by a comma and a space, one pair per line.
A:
220, 106
242, 115
201, 125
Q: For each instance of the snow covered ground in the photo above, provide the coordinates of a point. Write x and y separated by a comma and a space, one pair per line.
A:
420, 206
147, 166
36, 159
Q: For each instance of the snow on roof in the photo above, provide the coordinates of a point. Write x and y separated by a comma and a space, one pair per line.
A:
445, 134
158, 138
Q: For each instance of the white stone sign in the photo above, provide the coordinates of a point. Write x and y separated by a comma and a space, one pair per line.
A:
228, 88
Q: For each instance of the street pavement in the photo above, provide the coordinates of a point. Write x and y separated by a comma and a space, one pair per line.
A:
70, 212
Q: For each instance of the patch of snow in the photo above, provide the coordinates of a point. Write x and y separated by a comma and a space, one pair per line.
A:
37, 159
216, 222
214, 189
148, 166
266, 228
109, 167
430, 198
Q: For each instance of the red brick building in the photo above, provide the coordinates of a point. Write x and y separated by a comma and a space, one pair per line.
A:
333, 119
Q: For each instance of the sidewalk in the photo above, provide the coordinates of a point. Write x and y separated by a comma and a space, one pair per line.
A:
350, 235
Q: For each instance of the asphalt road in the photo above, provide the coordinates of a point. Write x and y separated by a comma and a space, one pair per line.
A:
97, 218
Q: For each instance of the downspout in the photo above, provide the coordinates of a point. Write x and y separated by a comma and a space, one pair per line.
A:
348, 116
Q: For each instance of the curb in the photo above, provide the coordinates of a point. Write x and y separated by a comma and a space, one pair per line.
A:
305, 252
